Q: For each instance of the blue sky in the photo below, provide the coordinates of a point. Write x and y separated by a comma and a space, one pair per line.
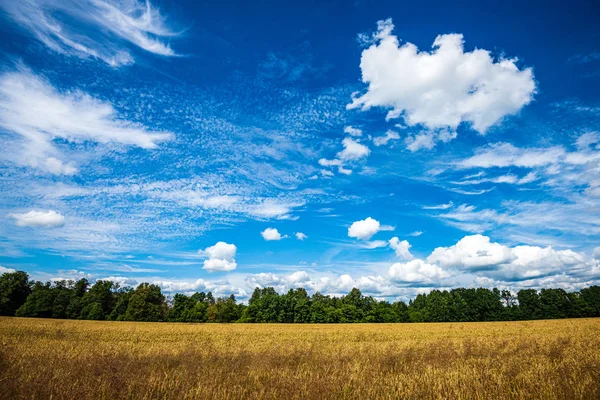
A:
222, 146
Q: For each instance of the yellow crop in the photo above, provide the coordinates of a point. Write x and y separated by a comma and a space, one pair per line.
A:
63, 359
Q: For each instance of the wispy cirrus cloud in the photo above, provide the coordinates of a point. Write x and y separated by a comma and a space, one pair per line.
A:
36, 114
99, 29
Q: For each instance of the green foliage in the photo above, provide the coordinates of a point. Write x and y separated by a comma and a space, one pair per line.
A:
99, 301
122, 297
106, 301
530, 306
14, 289
591, 296
224, 310
146, 303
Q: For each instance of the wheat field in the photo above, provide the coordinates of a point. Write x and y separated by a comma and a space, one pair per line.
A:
62, 359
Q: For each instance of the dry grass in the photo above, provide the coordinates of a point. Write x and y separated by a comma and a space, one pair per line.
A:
83, 359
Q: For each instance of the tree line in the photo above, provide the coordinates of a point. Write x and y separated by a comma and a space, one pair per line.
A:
105, 300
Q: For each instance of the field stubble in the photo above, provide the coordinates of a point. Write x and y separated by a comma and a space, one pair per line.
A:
63, 359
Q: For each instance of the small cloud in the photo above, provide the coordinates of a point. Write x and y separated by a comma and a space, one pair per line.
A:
438, 207
383, 140
353, 150
415, 233
273, 209
352, 131
271, 234
401, 248
39, 219
300, 236
530, 177
217, 201
373, 244
221, 257
365, 229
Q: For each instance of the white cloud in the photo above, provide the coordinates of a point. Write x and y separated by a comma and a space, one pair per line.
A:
216, 201
352, 131
530, 177
415, 233
273, 209
531, 267
4, 270
402, 248
372, 244
507, 178
477, 260
444, 87
35, 111
416, 271
298, 277
366, 228
264, 279
534, 261
39, 219
439, 206
218, 288
353, 150
333, 163
596, 253
221, 250
121, 280
282, 283
428, 139
477, 253
300, 236
94, 28
471, 252
330, 163
505, 155
383, 140
588, 139
221, 257
217, 264
271, 234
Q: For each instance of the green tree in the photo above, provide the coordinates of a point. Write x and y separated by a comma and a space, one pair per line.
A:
146, 303
401, 310
121, 300
39, 303
437, 307
100, 299
14, 289
63, 295
224, 310
264, 305
554, 303
591, 296
530, 306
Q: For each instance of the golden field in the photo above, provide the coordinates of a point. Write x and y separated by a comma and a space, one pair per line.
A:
62, 359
